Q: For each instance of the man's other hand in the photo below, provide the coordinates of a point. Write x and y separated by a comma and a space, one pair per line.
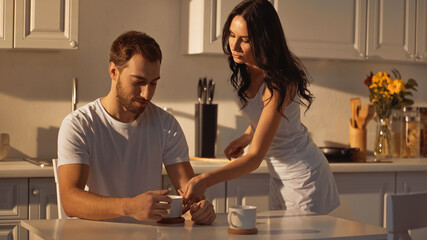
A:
151, 205
202, 212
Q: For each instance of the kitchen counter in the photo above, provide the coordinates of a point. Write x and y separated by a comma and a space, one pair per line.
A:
285, 224
390, 165
15, 168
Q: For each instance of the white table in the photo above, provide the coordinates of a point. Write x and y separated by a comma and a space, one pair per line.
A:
270, 224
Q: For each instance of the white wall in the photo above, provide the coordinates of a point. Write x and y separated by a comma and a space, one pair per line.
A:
35, 85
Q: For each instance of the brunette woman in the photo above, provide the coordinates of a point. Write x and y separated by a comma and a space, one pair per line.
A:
271, 83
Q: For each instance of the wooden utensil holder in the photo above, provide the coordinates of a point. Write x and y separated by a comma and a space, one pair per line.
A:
358, 140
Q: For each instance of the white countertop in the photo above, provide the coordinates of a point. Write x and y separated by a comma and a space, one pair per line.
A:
18, 168
284, 224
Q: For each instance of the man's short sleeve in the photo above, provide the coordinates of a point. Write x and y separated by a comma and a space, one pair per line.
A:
175, 148
72, 142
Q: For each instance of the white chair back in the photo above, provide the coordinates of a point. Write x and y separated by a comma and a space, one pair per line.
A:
405, 211
61, 212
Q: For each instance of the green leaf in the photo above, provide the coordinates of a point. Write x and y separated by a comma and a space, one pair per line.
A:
396, 73
407, 102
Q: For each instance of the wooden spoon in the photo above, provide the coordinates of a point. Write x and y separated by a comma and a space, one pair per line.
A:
362, 114
354, 103
371, 115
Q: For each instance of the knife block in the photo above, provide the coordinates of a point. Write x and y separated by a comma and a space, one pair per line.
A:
206, 127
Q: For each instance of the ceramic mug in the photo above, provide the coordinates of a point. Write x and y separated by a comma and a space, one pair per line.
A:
242, 217
176, 207
4, 145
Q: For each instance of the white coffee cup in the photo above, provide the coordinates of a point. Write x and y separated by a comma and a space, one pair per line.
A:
242, 217
176, 207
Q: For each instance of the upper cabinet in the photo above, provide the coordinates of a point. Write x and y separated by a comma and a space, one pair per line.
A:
324, 29
202, 22
338, 29
421, 32
391, 29
39, 24
6, 23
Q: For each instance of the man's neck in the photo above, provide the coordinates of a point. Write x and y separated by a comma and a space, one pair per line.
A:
113, 107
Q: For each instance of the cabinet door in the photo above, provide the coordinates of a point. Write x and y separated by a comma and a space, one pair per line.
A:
391, 29
6, 23
43, 203
421, 42
252, 189
324, 29
12, 230
202, 23
214, 194
362, 196
13, 198
47, 24
407, 182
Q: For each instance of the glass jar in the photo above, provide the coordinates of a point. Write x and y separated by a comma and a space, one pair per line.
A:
410, 142
396, 121
423, 133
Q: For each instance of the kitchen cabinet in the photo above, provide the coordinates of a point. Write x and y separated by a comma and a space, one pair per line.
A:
6, 23
421, 32
25, 198
214, 194
362, 195
47, 24
324, 29
13, 208
252, 189
355, 29
42, 200
336, 29
202, 22
407, 182
391, 29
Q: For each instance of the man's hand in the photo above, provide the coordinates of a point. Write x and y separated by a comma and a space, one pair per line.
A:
202, 212
151, 205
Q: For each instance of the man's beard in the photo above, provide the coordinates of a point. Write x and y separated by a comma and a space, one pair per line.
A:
126, 100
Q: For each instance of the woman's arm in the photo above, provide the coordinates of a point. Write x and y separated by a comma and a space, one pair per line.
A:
266, 129
236, 148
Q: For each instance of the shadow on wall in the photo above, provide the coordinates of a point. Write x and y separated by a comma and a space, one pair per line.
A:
47, 142
224, 134
47, 139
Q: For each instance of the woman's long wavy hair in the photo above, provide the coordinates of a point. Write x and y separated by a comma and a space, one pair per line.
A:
270, 50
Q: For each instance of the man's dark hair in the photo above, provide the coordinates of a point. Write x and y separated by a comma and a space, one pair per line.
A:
132, 42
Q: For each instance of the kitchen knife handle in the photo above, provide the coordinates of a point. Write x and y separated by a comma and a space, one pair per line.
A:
205, 90
211, 90
199, 91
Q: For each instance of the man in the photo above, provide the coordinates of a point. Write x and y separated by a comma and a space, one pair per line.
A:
116, 145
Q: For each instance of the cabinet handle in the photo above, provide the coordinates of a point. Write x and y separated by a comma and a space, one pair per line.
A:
73, 44
36, 191
362, 55
419, 57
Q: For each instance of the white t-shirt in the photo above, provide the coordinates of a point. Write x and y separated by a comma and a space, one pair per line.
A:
125, 159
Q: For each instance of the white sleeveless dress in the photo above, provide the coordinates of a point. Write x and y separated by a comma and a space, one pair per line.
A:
300, 174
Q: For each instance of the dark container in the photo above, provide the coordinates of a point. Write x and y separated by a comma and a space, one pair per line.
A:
206, 128
423, 133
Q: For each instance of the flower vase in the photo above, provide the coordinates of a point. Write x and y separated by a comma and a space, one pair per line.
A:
383, 141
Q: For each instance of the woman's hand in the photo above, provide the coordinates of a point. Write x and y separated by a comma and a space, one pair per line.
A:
236, 148
193, 191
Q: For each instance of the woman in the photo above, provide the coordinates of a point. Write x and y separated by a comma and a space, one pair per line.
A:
271, 84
